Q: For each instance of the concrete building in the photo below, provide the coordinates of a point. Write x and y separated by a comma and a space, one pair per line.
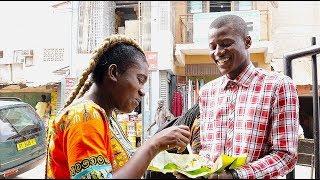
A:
276, 27
34, 54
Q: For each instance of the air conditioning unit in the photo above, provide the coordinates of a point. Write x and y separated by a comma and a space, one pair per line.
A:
27, 52
20, 59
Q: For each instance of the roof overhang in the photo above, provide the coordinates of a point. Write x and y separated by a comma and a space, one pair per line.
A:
202, 49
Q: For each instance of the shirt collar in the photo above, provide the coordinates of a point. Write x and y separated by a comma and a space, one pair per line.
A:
243, 79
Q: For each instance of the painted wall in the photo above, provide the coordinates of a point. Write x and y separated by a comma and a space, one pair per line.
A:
294, 24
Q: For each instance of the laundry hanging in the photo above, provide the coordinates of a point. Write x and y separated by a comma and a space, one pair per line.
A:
177, 103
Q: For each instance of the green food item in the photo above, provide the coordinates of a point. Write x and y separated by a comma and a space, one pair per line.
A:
191, 165
203, 171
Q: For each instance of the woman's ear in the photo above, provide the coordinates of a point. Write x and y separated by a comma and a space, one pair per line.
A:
112, 72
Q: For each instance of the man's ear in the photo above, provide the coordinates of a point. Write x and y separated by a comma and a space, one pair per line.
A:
248, 42
112, 72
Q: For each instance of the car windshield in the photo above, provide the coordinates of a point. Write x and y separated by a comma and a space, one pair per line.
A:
15, 121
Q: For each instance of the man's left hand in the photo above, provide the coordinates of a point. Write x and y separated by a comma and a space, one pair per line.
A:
223, 175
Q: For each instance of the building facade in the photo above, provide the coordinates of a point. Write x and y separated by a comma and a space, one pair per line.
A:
276, 27
33, 60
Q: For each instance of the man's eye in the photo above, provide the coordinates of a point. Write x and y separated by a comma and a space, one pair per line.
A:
140, 79
212, 47
226, 44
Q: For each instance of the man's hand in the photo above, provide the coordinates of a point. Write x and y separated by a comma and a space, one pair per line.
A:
179, 175
182, 176
223, 175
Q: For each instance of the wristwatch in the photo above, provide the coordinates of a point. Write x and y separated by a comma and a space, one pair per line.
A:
234, 174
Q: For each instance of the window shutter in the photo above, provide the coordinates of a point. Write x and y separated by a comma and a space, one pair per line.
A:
164, 87
164, 9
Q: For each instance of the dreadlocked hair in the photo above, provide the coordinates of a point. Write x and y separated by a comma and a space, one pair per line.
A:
115, 49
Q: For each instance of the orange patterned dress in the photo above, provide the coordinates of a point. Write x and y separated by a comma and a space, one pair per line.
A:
83, 143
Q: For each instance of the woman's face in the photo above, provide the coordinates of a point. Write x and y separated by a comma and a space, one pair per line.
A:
128, 91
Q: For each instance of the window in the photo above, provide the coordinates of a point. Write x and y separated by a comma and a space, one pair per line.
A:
17, 122
96, 21
23, 57
220, 6
194, 6
53, 54
1, 54
242, 5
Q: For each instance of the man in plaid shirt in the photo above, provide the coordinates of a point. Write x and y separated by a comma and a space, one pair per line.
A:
247, 110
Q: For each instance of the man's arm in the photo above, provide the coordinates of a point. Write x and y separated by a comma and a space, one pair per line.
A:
283, 136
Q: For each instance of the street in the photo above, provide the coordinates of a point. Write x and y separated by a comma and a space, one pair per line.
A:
35, 173
301, 172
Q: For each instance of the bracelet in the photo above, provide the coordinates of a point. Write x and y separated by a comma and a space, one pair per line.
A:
234, 174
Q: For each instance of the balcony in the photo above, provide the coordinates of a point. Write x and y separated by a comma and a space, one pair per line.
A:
194, 27
193, 36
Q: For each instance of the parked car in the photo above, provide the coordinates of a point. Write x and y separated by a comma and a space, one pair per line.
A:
22, 137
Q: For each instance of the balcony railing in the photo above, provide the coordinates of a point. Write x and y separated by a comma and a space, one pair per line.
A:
187, 26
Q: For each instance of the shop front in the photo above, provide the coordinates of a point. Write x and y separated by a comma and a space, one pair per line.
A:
32, 94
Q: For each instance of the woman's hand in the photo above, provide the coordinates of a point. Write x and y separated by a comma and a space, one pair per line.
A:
172, 137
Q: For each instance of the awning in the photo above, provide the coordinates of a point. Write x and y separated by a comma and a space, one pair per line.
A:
202, 49
40, 76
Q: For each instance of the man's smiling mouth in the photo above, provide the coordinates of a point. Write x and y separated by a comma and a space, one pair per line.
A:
222, 61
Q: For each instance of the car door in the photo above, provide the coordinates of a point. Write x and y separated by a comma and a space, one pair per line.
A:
22, 136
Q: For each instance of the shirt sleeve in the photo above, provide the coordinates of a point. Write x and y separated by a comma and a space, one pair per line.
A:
283, 137
87, 146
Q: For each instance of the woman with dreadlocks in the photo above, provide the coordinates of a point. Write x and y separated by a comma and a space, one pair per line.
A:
82, 140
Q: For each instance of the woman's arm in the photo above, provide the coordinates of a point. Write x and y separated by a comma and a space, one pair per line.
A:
176, 136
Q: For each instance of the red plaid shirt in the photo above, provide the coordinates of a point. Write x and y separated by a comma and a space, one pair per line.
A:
258, 114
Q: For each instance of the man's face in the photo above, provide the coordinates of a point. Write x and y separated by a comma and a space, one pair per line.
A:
228, 49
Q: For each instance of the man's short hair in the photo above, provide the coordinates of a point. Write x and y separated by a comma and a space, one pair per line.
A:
237, 23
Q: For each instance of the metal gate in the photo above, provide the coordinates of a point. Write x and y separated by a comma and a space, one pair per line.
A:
288, 58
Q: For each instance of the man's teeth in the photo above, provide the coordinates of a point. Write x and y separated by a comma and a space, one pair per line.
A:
223, 60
